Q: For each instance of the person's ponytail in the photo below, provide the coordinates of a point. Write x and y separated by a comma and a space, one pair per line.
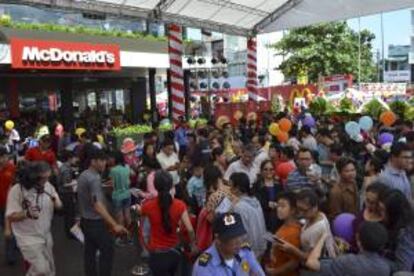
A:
163, 182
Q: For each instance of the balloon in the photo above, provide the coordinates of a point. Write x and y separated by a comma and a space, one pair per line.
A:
274, 129
9, 124
352, 128
285, 125
388, 118
282, 137
366, 123
385, 138
343, 227
309, 121
79, 131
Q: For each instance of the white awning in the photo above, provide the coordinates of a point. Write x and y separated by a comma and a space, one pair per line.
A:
240, 17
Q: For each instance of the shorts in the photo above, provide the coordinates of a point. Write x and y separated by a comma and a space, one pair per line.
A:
122, 204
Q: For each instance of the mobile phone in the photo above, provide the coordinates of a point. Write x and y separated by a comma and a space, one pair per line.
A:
273, 238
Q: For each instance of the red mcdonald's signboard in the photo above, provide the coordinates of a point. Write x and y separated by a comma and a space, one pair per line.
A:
60, 55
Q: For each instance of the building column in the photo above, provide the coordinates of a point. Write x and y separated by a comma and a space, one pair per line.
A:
12, 98
153, 94
66, 102
252, 69
176, 80
138, 99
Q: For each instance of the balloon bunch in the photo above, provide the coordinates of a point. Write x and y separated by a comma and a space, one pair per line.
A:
353, 129
281, 129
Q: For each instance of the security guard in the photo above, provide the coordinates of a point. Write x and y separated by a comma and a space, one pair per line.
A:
228, 256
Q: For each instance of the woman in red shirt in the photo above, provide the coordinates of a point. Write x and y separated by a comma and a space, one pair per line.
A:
165, 213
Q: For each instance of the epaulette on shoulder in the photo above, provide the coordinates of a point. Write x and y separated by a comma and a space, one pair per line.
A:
246, 246
204, 259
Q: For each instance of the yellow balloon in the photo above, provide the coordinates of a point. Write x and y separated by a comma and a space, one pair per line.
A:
9, 124
274, 129
79, 131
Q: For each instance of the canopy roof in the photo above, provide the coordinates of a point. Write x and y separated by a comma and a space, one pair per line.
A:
240, 17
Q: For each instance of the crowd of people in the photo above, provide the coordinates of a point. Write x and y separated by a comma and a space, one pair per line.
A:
219, 199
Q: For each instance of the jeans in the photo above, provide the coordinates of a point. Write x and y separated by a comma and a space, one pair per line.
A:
97, 237
165, 263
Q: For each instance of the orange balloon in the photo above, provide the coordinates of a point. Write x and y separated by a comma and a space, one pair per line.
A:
285, 125
388, 118
282, 137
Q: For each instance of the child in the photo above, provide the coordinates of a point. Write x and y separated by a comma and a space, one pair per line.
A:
283, 263
67, 188
121, 195
195, 187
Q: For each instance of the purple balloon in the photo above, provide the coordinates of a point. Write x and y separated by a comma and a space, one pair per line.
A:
343, 227
385, 138
309, 121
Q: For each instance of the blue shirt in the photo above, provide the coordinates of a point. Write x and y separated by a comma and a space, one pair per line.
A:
181, 136
211, 263
396, 179
195, 188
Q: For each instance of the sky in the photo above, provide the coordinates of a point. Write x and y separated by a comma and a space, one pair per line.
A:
397, 28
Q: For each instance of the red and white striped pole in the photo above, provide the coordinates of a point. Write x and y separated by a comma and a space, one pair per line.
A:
252, 69
175, 49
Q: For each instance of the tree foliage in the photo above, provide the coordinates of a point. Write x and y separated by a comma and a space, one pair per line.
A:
326, 49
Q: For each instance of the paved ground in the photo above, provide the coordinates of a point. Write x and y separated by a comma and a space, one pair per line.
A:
69, 256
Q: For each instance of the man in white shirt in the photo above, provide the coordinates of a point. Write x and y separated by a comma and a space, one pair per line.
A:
169, 161
30, 207
262, 153
308, 141
244, 165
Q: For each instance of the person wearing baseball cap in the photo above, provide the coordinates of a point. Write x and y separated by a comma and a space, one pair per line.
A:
228, 255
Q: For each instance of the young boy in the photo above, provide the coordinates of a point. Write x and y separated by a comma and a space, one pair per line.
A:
67, 189
195, 187
283, 263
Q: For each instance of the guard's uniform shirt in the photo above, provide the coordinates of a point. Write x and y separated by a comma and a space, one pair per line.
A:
211, 263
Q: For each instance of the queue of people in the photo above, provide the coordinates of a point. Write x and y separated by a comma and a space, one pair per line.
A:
218, 200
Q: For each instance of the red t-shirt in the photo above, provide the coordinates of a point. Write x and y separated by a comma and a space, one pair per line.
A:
159, 238
6, 179
35, 154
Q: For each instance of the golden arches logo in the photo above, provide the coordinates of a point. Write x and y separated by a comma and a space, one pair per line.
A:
296, 93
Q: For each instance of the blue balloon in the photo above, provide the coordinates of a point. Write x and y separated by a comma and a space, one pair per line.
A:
385, 138
352, 128
309, 121
343, 226
366, 123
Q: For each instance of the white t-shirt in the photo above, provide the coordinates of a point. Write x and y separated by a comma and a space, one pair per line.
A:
168, 161
13, 137
31, 231
262, 156
310, 143
239, 167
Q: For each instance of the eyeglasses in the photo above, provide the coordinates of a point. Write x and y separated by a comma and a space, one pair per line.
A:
268, 169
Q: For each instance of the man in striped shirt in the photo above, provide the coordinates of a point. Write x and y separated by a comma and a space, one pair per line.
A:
303, 176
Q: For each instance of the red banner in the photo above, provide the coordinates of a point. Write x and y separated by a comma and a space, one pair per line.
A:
59, 55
